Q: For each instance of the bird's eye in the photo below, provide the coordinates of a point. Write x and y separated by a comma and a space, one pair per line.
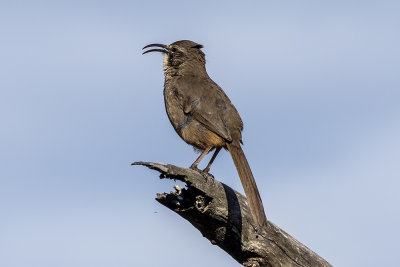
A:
173, 49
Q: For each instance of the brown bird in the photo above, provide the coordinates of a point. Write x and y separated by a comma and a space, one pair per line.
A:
202, 114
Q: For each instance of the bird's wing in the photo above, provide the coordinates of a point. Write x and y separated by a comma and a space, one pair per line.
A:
213, 122
206, 103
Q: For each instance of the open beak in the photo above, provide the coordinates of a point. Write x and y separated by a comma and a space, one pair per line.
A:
164, 50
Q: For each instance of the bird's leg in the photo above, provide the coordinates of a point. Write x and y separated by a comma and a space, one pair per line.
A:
207, 169
194, 165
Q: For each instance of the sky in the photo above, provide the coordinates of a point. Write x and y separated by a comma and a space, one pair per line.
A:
316, 84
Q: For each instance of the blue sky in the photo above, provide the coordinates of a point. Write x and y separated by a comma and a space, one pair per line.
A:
317, 86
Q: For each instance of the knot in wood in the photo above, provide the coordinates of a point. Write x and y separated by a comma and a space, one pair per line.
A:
251, 263
201, 203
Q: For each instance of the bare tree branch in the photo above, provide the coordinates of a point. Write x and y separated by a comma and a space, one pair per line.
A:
221, 214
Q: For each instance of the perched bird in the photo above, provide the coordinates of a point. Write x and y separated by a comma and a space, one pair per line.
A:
202, 114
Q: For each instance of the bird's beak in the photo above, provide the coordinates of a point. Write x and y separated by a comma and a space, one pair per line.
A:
164, 50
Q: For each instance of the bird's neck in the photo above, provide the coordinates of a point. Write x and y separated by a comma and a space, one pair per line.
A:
185, 69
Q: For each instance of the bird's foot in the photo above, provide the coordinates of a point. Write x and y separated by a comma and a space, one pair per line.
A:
206, 170
209, 174
194, 167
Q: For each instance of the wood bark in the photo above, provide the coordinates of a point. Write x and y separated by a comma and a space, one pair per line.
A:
222, 215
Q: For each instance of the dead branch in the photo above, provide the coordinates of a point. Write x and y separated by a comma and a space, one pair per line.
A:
221, 214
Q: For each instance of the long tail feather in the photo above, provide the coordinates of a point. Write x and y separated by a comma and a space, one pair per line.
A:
248, 183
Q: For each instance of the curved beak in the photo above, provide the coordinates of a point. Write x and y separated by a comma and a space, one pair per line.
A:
164, 50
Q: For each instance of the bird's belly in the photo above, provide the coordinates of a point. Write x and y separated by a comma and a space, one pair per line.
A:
200, 137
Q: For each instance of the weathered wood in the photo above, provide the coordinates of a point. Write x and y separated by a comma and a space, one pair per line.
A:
221, 214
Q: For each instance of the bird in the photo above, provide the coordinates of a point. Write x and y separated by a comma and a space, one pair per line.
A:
202, 114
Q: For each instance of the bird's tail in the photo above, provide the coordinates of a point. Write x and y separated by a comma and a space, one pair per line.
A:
248, 183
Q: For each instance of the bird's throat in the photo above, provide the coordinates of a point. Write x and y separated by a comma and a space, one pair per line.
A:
166, 61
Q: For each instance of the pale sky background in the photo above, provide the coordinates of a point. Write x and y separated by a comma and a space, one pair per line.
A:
317, 84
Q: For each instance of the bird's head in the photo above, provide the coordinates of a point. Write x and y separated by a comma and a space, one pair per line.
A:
179, 54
